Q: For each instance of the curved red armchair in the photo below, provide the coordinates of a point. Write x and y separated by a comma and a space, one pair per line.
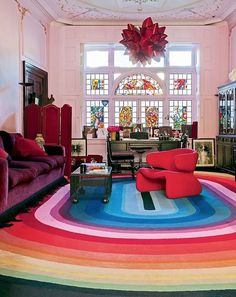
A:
170, 170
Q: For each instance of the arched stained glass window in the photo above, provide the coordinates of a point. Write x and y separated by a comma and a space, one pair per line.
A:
138, 84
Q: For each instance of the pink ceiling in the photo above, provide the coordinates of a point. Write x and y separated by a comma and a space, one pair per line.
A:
176, 12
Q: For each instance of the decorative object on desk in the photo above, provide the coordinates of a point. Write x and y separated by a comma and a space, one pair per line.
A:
89, 132
40, 140
102, 133
187, 129
144, 43
184, 140
114, 132
127, 131
165, 130
175, 133
137, 128
78, 147
206, 151
154, 132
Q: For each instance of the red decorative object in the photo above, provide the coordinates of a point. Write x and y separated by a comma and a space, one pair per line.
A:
145, 43
111, 129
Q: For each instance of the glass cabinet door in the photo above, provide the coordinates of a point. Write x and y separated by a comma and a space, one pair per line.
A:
227, 121
230, 111
222, 114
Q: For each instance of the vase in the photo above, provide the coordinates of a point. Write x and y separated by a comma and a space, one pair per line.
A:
113, 135
40, 140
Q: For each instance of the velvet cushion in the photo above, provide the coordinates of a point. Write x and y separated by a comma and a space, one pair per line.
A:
38, 167
3, 154
27, 147
20, 175
53, 161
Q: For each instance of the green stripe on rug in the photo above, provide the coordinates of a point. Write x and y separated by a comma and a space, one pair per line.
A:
14, 287
147, 201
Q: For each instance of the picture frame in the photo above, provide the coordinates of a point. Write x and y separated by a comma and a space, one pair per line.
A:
137, 128
154, 132
127, 131
187, 129
206, 151
78, 147
89, 132
165, 130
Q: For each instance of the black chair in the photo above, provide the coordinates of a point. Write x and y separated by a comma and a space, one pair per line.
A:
117, 159
140, 148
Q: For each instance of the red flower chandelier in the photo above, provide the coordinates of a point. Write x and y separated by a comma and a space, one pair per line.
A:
144, 43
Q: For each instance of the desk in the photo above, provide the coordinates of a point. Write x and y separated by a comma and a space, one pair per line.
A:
160, 145
156, 144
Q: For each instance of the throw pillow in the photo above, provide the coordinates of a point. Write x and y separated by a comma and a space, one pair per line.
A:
3, 154
25, 147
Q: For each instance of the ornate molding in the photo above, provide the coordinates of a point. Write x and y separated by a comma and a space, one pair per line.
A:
21, 9
44, 28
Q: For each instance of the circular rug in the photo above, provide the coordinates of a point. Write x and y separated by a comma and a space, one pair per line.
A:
134, 243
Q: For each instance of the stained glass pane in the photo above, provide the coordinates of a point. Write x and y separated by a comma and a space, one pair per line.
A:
180, 84
97, 113
125, 113
138, 84
97, 84
152, 113
180, 113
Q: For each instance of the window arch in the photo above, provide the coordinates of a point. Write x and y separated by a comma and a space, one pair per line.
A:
155, 95
138, 84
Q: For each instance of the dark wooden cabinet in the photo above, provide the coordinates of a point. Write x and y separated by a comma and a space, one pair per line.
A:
226, 140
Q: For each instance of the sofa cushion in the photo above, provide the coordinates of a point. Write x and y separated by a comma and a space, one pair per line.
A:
27, 147
3, 154
38, 167
20, 175
54, 161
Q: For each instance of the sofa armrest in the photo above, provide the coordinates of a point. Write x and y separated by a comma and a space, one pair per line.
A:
3, 184
54, 149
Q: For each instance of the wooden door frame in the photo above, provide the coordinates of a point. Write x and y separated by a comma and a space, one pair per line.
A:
29, 69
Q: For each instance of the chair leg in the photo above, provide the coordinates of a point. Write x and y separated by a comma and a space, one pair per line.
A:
132, 168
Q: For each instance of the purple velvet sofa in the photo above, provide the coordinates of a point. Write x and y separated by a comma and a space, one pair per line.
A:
23, 178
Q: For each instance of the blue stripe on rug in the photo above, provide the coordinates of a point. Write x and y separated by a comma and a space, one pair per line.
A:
126, 210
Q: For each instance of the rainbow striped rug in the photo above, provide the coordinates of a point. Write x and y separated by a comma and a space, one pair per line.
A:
177, 245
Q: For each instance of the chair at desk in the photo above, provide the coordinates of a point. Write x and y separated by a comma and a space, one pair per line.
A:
140, 149
117, 159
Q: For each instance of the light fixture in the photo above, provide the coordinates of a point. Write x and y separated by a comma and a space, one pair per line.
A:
26, 84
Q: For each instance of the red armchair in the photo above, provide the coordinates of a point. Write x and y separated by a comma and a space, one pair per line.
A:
170, 170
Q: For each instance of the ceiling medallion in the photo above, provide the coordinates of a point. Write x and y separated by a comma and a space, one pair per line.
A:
141, 1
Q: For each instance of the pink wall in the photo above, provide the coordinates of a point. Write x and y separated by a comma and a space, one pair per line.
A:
65, 79
9, 67
25, 38
233, 48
